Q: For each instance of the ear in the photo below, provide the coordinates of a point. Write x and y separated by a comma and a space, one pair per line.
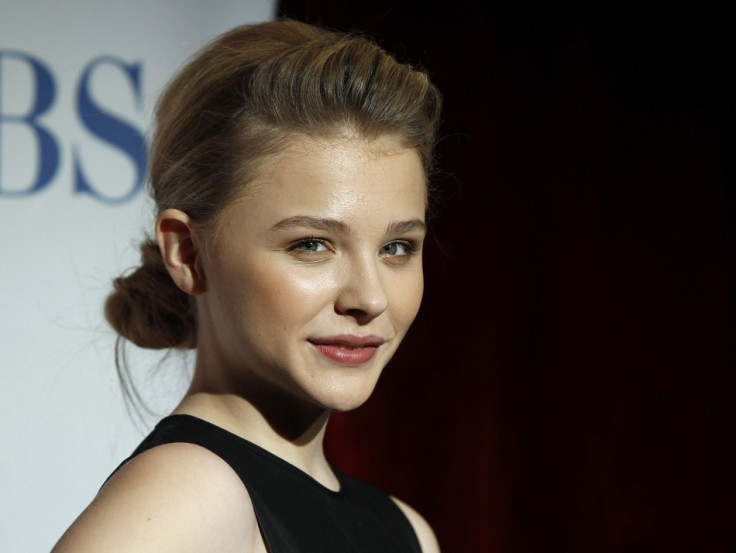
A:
181, 250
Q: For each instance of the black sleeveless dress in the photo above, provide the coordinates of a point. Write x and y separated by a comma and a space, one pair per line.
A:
296, 514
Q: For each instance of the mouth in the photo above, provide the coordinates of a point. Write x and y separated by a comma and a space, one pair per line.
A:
348, 349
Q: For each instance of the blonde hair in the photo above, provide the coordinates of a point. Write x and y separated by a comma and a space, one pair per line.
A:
242, 97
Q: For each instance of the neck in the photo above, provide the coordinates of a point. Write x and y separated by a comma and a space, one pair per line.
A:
293, 431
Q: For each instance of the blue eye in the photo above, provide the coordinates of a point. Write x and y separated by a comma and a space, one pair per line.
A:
397, 248
309, 245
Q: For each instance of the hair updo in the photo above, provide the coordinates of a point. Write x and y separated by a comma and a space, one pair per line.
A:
244, 96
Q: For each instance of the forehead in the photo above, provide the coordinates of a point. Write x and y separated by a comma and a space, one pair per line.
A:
347, 178
343, 148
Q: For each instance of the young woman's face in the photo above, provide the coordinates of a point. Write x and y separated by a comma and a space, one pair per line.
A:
316, 272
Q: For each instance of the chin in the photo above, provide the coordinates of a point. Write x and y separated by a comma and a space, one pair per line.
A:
345, 400
343, 407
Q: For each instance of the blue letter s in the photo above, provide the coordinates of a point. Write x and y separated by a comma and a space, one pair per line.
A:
110, 129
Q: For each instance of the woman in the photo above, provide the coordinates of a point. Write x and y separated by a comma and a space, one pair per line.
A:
289, 171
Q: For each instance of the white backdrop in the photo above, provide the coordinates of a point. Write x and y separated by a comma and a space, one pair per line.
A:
78, 82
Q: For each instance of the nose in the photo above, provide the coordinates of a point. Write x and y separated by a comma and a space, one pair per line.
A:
362, 294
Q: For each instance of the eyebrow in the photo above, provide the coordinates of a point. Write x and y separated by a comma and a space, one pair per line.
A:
406, 226
325, 223
318, 223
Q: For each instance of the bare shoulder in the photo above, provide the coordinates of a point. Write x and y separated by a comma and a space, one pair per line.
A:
174, 497
424, 532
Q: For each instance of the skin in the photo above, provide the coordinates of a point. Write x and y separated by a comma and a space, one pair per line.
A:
325, 241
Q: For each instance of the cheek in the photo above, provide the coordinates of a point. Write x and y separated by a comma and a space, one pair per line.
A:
406, 299
288, 296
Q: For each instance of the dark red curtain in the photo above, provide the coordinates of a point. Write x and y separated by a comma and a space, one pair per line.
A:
567, 386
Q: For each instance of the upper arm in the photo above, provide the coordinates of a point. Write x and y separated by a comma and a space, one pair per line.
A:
175, 497
423, 530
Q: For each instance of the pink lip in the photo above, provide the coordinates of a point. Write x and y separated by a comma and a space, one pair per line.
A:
348, 349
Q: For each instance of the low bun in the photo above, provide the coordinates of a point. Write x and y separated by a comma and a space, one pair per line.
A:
148, 309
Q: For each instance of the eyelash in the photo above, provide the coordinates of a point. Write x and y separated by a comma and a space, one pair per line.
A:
409, 246
299, 244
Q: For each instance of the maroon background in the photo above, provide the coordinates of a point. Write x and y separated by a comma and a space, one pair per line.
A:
567, 385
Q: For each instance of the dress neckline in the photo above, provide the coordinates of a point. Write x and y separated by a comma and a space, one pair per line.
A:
272, 457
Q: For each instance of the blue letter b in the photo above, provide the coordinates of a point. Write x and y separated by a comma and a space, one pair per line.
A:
48, 148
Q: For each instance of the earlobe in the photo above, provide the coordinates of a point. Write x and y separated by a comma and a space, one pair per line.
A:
181, 249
